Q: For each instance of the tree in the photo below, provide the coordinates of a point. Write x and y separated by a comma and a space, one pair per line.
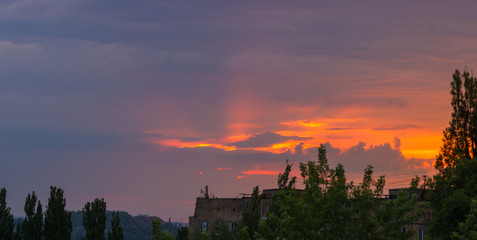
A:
243, 234
157, 234
183, 233
451, 197
221, 231
6, 218
116, 232
58, 224
166, 235
94, 219
393, 215
454, 185
156, 229
468, 229
33, 223
284, 214
18, 232
200, 236
460, 137
331, 208
251, 213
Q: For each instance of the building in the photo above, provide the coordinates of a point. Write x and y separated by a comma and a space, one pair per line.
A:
421, 225
209, 210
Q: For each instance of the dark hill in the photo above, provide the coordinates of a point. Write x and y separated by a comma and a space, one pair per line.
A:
138, 227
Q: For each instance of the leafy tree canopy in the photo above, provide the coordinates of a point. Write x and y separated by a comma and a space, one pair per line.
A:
58, 224
94, 219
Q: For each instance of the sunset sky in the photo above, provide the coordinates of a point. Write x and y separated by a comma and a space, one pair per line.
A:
145, 102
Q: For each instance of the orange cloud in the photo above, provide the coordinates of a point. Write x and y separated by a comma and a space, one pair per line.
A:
180, 144
222, 169
343, 132
260, 172
304, 123
237, 138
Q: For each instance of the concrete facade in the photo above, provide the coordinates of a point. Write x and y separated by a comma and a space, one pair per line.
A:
209, 210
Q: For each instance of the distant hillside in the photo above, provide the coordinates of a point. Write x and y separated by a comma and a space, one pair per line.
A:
138, 227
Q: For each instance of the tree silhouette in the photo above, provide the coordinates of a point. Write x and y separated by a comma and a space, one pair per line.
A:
460, 137
6, 218
33, 223
116, 232
94, 219
58, 224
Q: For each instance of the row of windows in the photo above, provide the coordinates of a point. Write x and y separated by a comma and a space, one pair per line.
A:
420, 233
204, 226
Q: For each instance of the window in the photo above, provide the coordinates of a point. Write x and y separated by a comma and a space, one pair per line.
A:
420, 234
203, 226
233, 226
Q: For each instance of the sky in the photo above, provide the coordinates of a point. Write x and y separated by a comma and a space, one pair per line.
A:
144, 102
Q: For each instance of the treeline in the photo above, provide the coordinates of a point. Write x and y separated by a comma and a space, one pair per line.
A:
56, 223
134, 227
330, 207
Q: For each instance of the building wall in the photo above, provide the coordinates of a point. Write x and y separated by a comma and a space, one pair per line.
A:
209, 210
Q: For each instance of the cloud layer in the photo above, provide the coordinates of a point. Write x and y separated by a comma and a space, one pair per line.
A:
132, 100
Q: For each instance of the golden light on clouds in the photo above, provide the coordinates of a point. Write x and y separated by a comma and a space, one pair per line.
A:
415, 143
196, 144
260, 172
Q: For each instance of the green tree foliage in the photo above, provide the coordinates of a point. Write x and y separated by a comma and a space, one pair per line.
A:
460, 137
156, 229
331, 208
33, 224
468, 229
94, 219
243, 234
58, 224
157, 234
166, 235
283, 218
454, 185
395, 214
183, 233
6, 218
18, 232
451, 198
251, 213
201, 236
116, 232
221, 231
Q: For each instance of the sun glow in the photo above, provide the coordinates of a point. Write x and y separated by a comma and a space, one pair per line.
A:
260, 172
180, 144
342, 133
